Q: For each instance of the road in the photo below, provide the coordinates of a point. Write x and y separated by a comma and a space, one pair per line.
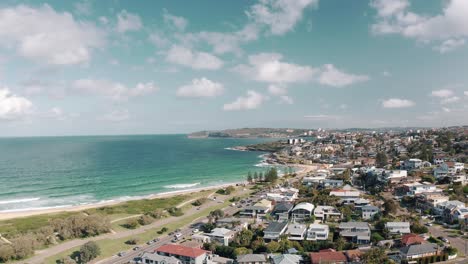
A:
42, 255
185, 231
458, 242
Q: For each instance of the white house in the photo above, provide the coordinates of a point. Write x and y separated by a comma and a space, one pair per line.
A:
302, 211
296, 231
221, 235
347, 194
318, 232
398, 227
413, 164
369, 211
326, 212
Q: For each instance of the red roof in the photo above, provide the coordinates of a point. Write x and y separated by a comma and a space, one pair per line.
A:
411, 239
327, 257
181, 250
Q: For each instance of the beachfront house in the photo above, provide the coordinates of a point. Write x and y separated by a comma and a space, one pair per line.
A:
328, 256
259, 209
302, 212
356, 232
369, 211
274, 230
296, 231
327, 213
153, 258
186, 255
318, 232
221, 235
398, 227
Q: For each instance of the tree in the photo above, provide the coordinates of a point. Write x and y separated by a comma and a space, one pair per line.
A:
244, 238
6, 252
145, 220
273, 246
417, 228
271, 175
376, 237
390, 207
375, 255
89, 251
340, 243
67, 260
131, 224
249, 177
23, 246
381, 159
242, 251
225, 251
207, 227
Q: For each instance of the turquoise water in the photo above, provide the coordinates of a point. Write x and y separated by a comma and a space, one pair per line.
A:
63, 171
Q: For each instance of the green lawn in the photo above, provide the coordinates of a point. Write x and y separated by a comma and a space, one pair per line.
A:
110, 247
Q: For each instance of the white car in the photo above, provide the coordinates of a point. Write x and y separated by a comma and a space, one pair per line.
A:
196, 230
178, 235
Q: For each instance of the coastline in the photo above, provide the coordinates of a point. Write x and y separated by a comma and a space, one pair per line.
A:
76, 208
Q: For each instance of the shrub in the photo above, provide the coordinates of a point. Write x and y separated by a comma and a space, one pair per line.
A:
6, 252
199, 202
132, 241
174, 211
145, 220
131, 224
89, 251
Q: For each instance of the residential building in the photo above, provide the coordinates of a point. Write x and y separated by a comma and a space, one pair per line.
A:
286, 259
329, 183
412, 164
282, 211
186, 255
296, 231
369, 211
394, 175
416, 251
232, 222
412, 239
153, 258
251, 259
357, 232
354, 256
429, 201
398, 227
259, 209
274, 230
221, 235
302, 211
347, 194
327, 213
318, 232
328, 256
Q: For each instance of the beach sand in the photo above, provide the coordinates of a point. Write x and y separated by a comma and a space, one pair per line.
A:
18, 214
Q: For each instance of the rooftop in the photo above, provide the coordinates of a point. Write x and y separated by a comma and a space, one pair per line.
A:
181, 250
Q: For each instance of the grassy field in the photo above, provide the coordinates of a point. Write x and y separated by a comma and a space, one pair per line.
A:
12, 227
110, 247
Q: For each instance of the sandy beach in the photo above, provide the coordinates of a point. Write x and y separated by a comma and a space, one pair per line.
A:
18, 214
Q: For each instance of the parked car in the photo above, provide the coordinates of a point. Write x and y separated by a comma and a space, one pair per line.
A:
444, 239
136, 248
121, 254
196, 230
428, 224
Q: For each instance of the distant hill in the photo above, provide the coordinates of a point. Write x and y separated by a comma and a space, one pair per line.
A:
250, 133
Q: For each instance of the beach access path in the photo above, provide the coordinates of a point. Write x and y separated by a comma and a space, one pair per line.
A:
42, 255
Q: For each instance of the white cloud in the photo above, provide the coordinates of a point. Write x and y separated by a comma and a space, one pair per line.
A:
321, 117
48, 36
285, 99
196, 60
333, 77
449, 45
177, 22
83, 8
251, 101
268, 67
465, 93
158, 39
450, 27
277, 90
386, 74
280, 16
128, 22
114, 90
397, 103
450, 100
443, 93
201, 88
118, 115
12, 106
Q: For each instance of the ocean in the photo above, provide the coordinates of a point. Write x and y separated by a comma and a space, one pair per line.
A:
50, 172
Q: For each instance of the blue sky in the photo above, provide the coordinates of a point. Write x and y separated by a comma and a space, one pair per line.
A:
133, 67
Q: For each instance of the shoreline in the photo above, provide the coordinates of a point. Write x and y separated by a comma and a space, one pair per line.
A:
77, 208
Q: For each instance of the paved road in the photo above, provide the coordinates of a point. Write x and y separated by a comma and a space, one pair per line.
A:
458, 242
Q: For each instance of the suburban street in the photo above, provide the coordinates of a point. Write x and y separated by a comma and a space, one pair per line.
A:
458, 242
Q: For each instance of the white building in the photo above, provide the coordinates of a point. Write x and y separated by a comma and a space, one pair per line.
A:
296, 231
221, 235
302, 211
325, 213
398, 227
318, 232
369, 211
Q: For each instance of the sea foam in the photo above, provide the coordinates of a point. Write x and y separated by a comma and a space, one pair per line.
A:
21, 200
181, 186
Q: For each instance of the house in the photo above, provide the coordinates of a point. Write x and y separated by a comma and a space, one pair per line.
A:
413, 252
283, 195
327, 213
296, 231
286, 259
328, 256
153, 258
186, 255
361, 202
356, 232
398, 227
418, 188
448, 168
231, 222
429, 201
221, 235
369, 211
251, 259
437, 160
412, 164
445, 208
328, 183
354, 255
220, 260
347, 194
282, 211
302, 211
394, 175
318, 232
259, 209
274, 230
457, 215
411, 239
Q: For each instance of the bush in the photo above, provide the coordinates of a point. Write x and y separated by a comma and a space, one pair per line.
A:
131, 224
145, 220
174, 211
132, 241
199, 202
6, 252
89, 251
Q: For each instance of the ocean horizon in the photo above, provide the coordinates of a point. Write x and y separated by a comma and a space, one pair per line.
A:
53, 172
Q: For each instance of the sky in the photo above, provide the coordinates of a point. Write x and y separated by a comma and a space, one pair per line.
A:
156, 67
